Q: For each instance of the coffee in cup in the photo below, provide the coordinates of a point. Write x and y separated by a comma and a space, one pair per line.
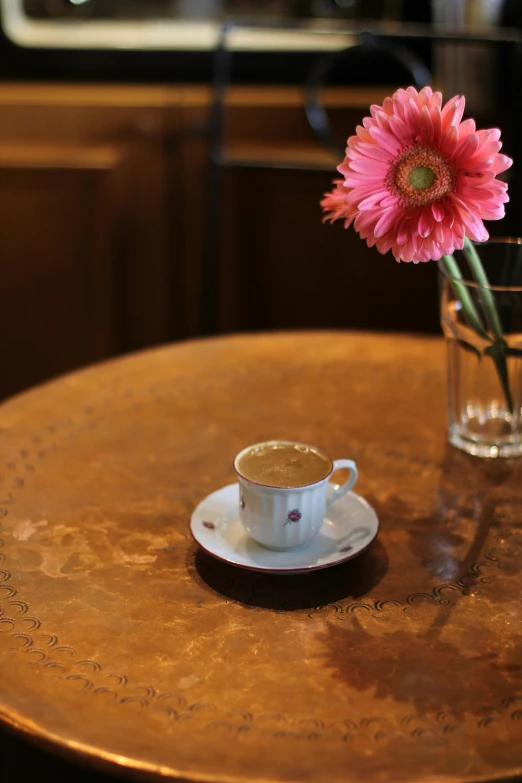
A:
284, 464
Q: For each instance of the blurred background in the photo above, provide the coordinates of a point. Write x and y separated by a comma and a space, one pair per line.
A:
161, 180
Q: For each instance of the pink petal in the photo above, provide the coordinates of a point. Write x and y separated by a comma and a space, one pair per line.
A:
398, 104
437, 254
355, 195
494, 134
491, 200
436, 121
384, 244
382, 120
412, 114
460, 205
422, 257
363, 134
449, 215
361, 186
495, 186
426, 126
438, 233
386, 221
488, 194
423, 100
431, 248
399, 129
374, 151
466, 148
359, 180
387, 106
466, 215
404, 230
501, 163
390, 201
437, 211
477, 163
471, 188
366, 218
407, 252
484, 177
386, 140
412, 93
477, 232
490, 148
482, 194
467, 127
483, 137
449, 141
493, 215
369, 166
448, 240
453, 111
371, 201
425, 223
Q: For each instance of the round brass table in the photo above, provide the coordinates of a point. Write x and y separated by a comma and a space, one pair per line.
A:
122, 644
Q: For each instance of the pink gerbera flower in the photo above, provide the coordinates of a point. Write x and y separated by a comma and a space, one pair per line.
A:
417, 180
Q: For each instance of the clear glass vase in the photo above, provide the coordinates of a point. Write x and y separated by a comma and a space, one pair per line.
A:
484, 373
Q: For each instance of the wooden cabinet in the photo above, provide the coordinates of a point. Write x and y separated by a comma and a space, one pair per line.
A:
103, 199
58, 278
85, 220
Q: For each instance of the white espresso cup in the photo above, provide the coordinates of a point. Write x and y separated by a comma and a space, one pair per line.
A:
285, 517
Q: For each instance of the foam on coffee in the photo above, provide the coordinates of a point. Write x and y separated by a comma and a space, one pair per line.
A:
284, 464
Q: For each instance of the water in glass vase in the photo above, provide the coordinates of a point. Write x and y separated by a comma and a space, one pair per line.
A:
482, 420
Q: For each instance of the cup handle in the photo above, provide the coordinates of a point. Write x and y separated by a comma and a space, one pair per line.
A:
341, 490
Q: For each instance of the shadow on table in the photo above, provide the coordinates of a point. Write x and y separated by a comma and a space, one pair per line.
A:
477, 504
292, 592
435, 661
430, 674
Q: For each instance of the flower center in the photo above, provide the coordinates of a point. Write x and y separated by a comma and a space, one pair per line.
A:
420, 175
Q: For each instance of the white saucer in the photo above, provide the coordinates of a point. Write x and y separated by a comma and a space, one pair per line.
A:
349, 528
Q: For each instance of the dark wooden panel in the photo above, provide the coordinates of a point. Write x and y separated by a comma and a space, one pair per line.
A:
75, 120
59, 275
282, 268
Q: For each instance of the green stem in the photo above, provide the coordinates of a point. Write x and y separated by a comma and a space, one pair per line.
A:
498, 351
486, 296
463, 295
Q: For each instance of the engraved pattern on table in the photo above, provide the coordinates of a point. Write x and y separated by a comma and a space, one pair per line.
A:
16, 624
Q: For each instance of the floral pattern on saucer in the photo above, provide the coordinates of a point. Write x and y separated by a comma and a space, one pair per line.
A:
349, 528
